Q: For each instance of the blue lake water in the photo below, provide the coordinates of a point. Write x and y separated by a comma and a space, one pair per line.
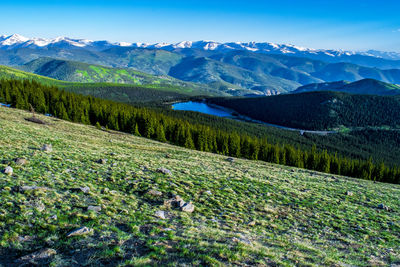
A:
201, 107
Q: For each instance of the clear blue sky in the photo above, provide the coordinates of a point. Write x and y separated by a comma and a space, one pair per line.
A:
347, 24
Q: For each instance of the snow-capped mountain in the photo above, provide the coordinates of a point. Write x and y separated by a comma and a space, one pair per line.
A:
17, 41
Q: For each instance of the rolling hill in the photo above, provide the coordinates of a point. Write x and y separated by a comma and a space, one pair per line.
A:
245, 212
73, 71
12, 73
119, 92
365, 86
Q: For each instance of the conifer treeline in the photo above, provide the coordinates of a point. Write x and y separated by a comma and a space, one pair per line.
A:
155, 125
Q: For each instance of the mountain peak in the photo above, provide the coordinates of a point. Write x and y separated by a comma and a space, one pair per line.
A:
13, 39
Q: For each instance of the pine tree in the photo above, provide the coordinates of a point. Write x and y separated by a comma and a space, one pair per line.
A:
136, 130
160, 134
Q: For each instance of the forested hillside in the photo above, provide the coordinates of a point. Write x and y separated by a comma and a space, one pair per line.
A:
319, 110
365, 86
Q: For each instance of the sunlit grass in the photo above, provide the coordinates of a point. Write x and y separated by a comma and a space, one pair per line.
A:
246, 212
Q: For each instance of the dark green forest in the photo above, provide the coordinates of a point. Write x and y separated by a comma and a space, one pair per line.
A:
357, 144
319, 110
142, 121
132, 94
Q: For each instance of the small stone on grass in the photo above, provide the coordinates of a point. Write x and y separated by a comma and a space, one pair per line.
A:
47, 148
8, 170
160, 214
80, 231
153, 192
188, 207
94, 208
164, 171
20, 161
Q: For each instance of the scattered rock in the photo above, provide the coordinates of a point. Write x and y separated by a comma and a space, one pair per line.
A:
8, 170
102, 161
20, 161
47, 148
114, 164
188, 207
252, 223
38, 255
175, 202
94, 208
164, 171
230, 160
54, 217
160, 214
80, 231
383, 207
153, 192
85, 189
178, 202
349, 193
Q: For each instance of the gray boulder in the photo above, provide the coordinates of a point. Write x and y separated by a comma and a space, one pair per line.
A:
94, 208
160, 214
8, 170
47, 148
188, 207
80, 231
20, 161
164, 171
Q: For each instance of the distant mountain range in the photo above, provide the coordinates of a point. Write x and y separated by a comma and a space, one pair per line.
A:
378, 58
222, 68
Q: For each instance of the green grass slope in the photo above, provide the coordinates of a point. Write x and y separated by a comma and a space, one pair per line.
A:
11, 73
365, 86
246, 212
74, 71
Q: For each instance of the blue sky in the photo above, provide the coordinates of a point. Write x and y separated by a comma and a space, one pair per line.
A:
356, 25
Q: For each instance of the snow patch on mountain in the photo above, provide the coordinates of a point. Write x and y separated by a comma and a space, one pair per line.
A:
19, 41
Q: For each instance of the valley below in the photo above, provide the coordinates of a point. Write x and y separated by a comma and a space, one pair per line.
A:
215, 110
